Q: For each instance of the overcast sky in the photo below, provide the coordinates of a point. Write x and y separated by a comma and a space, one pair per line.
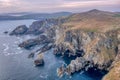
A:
57, 5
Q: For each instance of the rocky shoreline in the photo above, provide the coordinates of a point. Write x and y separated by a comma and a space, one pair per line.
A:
92, 49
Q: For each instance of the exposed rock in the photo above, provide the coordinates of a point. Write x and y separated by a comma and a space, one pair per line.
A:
37, 27
119, 49
42, 39
43, 26
61, 71
80, 53
45, 48
29, 43
47, 26
39, 61
98, 50
20, 30
31, 55
75, 44
6, 32
64, 49
75, 65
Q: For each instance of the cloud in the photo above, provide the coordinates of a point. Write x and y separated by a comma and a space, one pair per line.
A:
89, 3
57, 5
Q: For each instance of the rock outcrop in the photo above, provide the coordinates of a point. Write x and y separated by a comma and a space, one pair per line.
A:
61, 71
76, 65
99, 50
39, 61
42, 39
37, 27
20, 30
6, 32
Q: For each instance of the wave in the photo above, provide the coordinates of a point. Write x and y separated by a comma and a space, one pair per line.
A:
6, 47
44, 76
15, 50
62, 62
82, 72
7, 54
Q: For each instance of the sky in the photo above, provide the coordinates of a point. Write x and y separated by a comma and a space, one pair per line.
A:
50, 6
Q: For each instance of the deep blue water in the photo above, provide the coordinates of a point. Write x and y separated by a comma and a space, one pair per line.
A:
15, 64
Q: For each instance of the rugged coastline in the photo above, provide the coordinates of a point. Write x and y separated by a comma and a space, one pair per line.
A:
92, 37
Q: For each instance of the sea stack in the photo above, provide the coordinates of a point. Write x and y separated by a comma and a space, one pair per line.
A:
39, 61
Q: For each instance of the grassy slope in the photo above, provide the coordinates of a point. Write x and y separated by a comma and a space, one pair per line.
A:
114, 73
95, 21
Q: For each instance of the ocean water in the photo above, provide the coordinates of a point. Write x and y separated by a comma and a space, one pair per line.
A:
15, 64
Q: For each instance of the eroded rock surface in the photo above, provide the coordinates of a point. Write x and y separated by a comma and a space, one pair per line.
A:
42, 39
99, 50
89, 36
39, 61
20, 30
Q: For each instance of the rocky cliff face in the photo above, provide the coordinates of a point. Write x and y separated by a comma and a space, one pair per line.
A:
95, 44
20, 30
91, 49
92, 37
37, 27
114, 73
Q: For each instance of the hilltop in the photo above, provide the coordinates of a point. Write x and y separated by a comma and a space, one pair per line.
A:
93, 20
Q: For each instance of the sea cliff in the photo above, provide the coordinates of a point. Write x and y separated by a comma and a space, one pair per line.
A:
92, 38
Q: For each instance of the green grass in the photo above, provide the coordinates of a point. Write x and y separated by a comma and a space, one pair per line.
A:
117, 15
90, 30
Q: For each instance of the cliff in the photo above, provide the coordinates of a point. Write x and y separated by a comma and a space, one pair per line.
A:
91, 37
114, 73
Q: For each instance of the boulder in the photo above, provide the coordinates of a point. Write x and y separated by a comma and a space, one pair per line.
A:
39, 61
76, 65
6, 32
20, 30
60, 71
31, 55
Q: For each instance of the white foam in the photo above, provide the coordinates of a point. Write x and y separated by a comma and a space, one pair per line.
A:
81, 72
62, 62
6, 47
6, 50
7, 54
44, 76
20, 52
20, 39
16, 42
18, 48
